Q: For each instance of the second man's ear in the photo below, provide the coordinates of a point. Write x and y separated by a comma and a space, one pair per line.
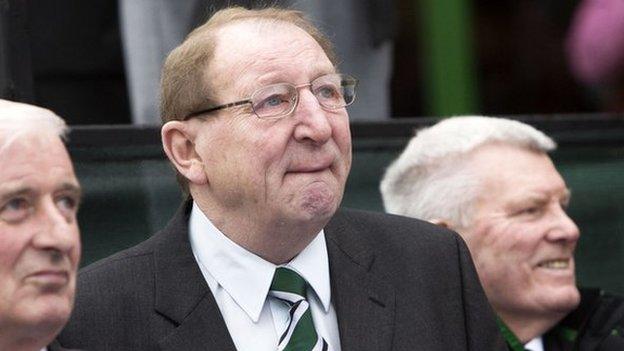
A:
178, 139
440, 222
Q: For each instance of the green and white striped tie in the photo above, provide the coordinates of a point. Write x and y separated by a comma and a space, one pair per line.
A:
290, 287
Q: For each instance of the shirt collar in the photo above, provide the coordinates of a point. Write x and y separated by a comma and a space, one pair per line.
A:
536, 344
247, 277
313, 265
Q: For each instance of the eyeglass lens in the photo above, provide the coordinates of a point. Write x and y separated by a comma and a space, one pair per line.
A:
332, 91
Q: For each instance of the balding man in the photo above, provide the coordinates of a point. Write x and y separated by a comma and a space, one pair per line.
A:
39, 238
492, 181
259, 258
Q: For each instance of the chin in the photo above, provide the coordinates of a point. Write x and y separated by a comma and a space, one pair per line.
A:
44, 322
563, 299
318, 202
52, 310
317, 210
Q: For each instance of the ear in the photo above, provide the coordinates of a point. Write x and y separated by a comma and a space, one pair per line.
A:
441, 222
178, 139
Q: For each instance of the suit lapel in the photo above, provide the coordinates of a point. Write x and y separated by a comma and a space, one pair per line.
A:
182, 294
202, 329
365, 305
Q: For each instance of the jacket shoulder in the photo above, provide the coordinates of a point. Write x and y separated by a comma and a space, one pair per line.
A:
124, 266
114, 297
378, 228
397, 242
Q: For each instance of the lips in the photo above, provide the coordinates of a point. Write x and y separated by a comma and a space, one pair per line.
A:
308, 169
317, 165
49, 278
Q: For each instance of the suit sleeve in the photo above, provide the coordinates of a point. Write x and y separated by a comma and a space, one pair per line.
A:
480, 323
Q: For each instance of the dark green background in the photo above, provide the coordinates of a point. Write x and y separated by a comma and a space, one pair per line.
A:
127, 200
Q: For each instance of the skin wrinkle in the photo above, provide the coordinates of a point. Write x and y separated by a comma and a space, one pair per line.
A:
274, 65
277, 211
275, 77
11, 189
519, 223
46, 238
263, 200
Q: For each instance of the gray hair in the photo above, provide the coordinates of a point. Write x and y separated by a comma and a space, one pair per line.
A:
431, 178
17, 119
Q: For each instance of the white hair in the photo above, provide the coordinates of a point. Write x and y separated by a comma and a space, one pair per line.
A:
17, 119
431, 178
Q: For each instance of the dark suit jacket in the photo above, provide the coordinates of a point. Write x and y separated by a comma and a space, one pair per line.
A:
397, 284
597, 324
55, 346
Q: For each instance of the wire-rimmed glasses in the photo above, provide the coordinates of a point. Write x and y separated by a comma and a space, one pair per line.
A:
333, 91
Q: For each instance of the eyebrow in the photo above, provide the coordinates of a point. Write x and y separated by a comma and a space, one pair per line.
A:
541, 198
10, 193
73, 188
532, 199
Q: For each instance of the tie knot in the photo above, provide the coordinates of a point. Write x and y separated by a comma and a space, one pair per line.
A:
287, 280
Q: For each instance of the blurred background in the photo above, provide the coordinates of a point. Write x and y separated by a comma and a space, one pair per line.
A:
558, 65
92, 61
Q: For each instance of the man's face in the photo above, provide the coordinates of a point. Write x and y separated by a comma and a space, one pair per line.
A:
277, 171
39, 238
521, 239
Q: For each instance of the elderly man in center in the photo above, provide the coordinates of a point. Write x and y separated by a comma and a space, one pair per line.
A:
258, 258
491, 180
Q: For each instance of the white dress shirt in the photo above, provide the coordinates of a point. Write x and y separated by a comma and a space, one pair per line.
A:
536, 344
240, 281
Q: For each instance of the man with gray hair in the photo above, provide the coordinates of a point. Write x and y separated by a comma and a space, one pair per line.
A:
491, 180
39, 237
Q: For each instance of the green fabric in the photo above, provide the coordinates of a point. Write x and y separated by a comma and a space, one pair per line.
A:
304, 336
567, 334
564, 334
512, 340
288, 281
449, 57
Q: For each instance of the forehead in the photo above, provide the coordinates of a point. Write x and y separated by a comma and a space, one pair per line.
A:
509, 173
265, 52
34, 157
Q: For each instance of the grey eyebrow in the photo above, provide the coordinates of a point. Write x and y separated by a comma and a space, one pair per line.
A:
22, 190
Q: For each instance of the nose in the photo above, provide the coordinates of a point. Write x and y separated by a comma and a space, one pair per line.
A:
564, 229
57, 232
312, 120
